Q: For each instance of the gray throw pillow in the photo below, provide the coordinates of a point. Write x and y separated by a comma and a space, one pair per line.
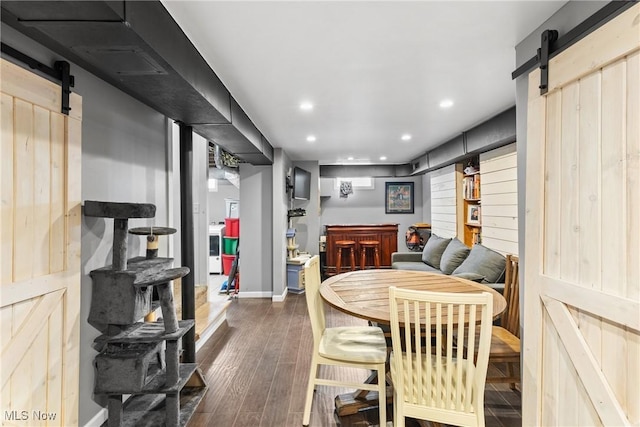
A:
433, 250
453, 255
470, 276
484, 262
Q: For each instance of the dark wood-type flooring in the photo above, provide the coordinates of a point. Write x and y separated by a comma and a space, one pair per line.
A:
256, 366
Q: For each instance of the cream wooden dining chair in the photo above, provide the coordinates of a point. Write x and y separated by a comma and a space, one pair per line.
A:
347, 346
433, 379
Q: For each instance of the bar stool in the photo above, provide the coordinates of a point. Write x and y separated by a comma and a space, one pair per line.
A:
351, 246
369, 244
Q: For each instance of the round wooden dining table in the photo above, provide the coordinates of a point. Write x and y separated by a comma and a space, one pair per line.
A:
365, 293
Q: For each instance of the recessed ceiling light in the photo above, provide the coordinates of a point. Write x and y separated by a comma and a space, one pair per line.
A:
406, 137
311, 138
446, 103
306, 106
383, 158
350, 158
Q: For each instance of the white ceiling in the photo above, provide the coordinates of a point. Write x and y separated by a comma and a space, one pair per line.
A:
374, 70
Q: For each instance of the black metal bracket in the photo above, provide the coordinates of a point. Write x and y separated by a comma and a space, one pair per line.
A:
60, 72
66, 80
595, 21
547, 38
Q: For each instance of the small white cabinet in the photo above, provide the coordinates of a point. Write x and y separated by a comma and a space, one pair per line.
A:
295, 276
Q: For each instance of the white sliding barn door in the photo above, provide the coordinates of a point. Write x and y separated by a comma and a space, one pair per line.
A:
39, 252
582, 255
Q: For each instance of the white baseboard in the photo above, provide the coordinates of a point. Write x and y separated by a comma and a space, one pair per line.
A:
280, 298
98, 419
245, 294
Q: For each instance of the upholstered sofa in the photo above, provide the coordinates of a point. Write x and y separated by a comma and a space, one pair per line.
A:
451, 256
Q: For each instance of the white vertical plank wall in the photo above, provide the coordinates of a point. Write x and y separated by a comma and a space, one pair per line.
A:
499, 194
444, 195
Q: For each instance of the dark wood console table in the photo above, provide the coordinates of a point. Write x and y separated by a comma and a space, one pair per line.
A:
386, 234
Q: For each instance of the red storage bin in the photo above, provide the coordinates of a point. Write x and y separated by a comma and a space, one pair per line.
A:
232, 227
227, 261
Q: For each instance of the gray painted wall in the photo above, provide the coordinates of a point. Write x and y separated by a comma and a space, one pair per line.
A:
256, 218
570, 15
200, 194
308, 227
366, 206
124, 159
281, 164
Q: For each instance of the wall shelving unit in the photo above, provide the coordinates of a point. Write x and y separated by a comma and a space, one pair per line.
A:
471, 202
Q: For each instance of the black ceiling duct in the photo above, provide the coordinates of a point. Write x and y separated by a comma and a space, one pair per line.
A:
137, 47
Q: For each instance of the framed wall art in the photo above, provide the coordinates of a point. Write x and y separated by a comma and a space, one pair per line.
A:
398, 197
473, 214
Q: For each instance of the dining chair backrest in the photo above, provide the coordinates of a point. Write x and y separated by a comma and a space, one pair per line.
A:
434, 379
510, 319
315, 305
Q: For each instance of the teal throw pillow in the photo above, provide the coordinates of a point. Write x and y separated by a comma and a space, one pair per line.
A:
454, 254
484, 262
433, 250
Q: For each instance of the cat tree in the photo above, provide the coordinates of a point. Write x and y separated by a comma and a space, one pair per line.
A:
139, 358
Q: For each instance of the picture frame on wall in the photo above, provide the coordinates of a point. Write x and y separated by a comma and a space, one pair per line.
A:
399, 197
473, 214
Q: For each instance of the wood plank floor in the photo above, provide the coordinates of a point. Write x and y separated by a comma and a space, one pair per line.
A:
256, 366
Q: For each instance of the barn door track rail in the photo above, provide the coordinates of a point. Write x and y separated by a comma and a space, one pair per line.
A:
551, 45
60, 72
